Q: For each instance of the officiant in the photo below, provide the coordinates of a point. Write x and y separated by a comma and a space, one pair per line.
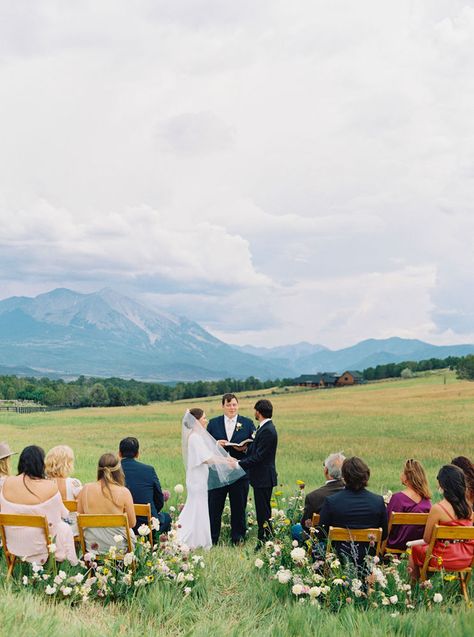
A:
230, 427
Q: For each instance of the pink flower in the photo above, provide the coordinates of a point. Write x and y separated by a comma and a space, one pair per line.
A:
180, 507
166, 495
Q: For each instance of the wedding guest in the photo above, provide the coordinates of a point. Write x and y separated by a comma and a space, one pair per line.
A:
30, 493
467, 467
5, 462
143, 483
415, 498
108, 495
453, 510
354, 508
59, 464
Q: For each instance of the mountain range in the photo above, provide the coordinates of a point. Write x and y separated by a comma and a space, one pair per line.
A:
66, 333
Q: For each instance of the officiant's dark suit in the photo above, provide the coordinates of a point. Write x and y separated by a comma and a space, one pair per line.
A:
238, 491
260, 464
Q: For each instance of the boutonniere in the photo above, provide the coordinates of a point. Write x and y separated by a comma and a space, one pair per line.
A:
238, 426
253, 435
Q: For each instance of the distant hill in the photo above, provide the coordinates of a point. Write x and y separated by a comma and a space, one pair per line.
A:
64, 334
107, 334
368, 353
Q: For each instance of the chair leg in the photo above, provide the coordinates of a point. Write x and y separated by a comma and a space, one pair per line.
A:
464, 590
11, 566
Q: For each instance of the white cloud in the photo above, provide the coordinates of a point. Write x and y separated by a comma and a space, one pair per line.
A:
263, 167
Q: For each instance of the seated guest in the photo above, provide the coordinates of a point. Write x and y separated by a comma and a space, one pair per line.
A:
143, 483
453, 510
59, 464
314, 500
467, 468
30, 493
354, 508
415, 498
106, 496
5, 463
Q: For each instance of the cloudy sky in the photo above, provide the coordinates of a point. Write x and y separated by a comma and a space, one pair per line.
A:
277, 170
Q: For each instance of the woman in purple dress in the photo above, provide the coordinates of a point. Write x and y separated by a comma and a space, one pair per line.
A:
415, 498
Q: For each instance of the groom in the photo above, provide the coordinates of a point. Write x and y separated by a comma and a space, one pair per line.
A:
230, 427
260, 463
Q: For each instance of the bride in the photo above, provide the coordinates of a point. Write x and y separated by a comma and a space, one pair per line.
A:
208, 466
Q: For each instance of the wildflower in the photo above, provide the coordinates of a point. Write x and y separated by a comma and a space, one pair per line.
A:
258, 563
393, 599
295, 543
297, 589
278, 493
25, 580
298, 554
118, 538
166, 495
172, 509
178, 489
338, 582
315, 591
395, 614
143, 529
36, 567
66, 590
300, 483
450, 578
284, 576
52, 548
187, 590
385, 601
437, 598
127, 579
128, 558
50, 590
78, 578
155, 524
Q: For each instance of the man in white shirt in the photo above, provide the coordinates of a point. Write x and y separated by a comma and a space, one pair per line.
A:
230, 427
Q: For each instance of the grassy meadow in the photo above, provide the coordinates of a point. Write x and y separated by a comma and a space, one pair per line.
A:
385, 423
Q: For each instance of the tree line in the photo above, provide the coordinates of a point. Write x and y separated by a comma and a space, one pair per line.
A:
117, 392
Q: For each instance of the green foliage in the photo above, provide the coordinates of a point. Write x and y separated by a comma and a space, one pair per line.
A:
465, 368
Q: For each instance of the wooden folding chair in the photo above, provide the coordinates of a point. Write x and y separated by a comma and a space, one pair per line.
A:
14, 520
411, 519
356, 536
71, 506
449, 533
315, 520
102, 521
144, 511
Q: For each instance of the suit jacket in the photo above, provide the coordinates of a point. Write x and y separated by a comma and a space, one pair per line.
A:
216, 427
314, 500
143, 483
260, 458
354, 510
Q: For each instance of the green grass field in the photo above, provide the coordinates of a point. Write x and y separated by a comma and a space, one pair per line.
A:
384, 423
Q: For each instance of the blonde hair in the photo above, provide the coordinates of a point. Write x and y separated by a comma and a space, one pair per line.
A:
416, 478
110, 472
5, 466
59, 462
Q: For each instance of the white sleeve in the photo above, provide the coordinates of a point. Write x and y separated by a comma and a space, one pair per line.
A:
198, 452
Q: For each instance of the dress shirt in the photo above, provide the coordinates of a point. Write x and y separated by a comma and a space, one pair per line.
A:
230, 424
262, 422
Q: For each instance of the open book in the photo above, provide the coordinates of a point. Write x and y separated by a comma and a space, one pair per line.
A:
416, 542
239, 444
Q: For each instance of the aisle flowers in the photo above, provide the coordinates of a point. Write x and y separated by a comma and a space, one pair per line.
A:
118, 575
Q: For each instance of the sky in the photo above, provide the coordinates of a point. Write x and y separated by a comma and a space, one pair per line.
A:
276, 170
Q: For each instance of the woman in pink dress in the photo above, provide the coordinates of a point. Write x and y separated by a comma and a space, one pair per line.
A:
453, 510
30, 493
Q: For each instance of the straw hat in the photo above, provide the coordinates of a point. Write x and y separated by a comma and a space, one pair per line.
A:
5, 450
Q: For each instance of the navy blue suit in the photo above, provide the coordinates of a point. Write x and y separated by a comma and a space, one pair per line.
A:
238, 491
143, 483
260, 463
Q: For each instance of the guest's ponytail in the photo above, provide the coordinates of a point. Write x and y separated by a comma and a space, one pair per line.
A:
451, 480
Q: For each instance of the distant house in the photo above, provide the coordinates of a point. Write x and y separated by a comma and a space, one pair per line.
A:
309, 380
329, 380
350, 378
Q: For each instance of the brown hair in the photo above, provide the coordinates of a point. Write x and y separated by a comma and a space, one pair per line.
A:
197, 413
110, 472
416, 478
5, 466
355, 473
467, 468
226, 398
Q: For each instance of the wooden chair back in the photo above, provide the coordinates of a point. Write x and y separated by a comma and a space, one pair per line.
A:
102, 521
16, 520
144, 511
367, 536
405, 519
450, 533
315, 520
71, 505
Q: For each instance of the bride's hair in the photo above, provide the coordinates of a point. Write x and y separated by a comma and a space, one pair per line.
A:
197, 413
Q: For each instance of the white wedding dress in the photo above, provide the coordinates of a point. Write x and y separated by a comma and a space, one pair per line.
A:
194, 528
